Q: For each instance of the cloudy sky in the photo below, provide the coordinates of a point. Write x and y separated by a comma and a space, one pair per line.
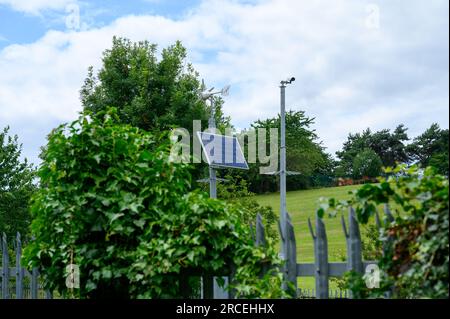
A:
358, 63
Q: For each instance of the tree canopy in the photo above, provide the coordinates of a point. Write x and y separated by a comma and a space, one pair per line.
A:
431, 149
389, 146
16, 186
304, 154
367, 164
150, 93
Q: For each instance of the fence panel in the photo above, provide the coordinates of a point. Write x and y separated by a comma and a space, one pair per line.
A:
16, 281
26, 284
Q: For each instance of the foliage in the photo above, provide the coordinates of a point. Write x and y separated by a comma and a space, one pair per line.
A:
390, 147
304, 154
416, 250
150, 93
16, 186
431, 149
114, 204
367, 164
235, 190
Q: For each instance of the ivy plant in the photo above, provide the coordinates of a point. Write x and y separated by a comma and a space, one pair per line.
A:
113, 203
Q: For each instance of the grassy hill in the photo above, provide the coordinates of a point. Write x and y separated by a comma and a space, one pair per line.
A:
303, 204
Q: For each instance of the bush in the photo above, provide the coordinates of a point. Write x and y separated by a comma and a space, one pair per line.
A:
235, 191
112, 203
367, 164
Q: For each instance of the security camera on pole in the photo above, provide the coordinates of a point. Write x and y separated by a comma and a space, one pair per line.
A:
283, 212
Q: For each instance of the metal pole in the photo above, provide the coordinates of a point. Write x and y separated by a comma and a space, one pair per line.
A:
212, 171
283, 213
218, 292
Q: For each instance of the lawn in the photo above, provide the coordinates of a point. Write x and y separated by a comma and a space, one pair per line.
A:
303, 204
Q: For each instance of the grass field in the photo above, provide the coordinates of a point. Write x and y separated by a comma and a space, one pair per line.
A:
303, 204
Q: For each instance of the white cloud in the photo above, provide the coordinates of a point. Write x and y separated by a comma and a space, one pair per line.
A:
348, 76
36, 6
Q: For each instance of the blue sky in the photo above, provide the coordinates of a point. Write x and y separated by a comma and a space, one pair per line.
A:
358, 63
21, 26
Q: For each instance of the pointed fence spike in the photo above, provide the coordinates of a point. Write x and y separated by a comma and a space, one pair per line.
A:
260, 233
311, 229
321, 260
19, 269
252, 232
344, 227
353, 224
377, 219
354, 251
280, 230
388, 213
5, 268
291, 254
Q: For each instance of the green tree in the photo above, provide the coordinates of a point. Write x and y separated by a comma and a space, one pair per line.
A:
116, 206
149, 93
16, 186
304, 154
390, 147
367, 164
431, 149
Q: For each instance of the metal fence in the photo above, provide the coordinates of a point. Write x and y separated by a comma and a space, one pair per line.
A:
16, 281
322, 269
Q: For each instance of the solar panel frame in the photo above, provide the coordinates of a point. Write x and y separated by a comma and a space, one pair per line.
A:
236, 151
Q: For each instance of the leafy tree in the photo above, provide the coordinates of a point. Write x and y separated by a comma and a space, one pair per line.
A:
149, 93
16, 186
390, 147
415, 258
431, 149
116, 206
367, 163
304, 153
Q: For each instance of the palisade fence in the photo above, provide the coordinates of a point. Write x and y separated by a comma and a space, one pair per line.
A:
17, 282
321, 269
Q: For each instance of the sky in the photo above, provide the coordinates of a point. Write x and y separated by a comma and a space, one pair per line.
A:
357, 63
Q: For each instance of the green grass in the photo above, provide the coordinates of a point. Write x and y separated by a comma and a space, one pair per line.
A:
303, 204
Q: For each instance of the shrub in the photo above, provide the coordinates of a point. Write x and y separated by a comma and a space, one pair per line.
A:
112, 203
367, 164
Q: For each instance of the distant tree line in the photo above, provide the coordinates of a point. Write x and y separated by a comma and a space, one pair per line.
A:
364, 154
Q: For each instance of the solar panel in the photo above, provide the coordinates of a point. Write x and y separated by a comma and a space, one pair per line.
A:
222, 151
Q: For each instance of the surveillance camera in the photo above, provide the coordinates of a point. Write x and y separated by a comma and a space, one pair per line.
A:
288, 80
